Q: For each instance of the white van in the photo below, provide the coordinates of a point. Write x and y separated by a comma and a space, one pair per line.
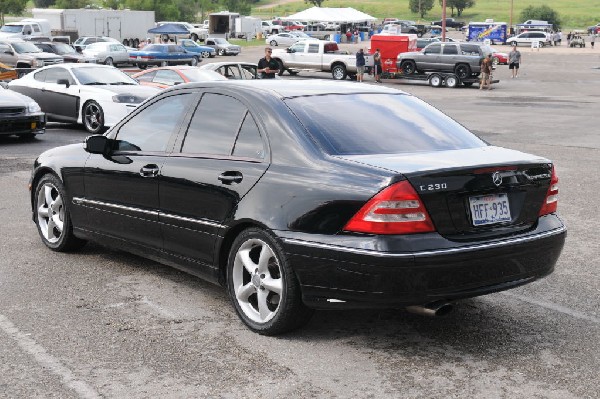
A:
529, 37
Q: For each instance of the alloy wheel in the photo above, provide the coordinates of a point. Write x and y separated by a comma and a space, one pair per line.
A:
50, 213
257, 280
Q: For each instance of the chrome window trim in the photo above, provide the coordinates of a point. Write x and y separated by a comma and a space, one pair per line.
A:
418, 254
84, 201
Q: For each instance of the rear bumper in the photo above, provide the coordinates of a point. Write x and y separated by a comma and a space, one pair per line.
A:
354, 273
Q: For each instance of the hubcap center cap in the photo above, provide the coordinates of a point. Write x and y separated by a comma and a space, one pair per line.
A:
256, 280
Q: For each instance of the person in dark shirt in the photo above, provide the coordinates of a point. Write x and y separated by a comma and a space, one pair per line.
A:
360, 65
486, 73
267, 66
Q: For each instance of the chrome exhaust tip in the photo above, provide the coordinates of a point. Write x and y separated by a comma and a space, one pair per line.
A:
433, 309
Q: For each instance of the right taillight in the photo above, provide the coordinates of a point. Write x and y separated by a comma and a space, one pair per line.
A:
397, 209
551, 201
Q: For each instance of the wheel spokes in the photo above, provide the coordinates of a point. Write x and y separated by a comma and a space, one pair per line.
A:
244, 256
263, 307
244, 292
263, 260
273, 285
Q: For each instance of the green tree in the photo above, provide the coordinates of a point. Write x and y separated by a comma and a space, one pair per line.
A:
11, 7
459, 5
71, 3
112, 4
240, 6
541, 13
44, 3
420, 7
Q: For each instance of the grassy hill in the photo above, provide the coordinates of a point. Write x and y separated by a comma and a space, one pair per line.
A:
574, 14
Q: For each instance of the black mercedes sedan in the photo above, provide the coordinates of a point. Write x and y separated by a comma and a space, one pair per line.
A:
301, 195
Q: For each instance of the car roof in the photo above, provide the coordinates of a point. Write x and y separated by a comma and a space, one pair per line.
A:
296, 88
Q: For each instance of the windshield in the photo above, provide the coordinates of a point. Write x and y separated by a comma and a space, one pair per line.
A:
26, 47
102, 76
11, 28
360, 124
63, 48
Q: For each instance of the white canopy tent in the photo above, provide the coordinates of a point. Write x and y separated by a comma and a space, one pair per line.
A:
338, 15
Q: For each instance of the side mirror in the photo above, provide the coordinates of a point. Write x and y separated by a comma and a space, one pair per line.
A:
64, 82
290, 50
97, 144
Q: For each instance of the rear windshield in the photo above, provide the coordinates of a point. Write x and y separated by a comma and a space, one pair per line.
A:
360, 124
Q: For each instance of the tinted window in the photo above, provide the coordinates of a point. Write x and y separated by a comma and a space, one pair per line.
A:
450, 49
214, 126
433, 48
313, 48
151, 129
249, 143
469, 49
379, 124
248, 71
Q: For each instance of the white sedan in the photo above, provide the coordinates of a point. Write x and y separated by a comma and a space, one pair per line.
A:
109, 53
282, 39
97, 96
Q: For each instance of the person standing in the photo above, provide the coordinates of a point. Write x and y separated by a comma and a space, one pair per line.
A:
267, 66
514, 61
360, 65
377, 65
486, 73
593, 40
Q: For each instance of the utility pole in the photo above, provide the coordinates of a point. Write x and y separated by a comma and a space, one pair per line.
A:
510, 21
443, 20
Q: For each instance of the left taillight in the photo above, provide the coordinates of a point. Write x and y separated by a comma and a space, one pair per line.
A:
397, 209
551, 201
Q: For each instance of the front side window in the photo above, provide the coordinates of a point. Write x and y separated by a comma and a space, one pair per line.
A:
433, 48
355, 124
151, 129
298, 48
214, 126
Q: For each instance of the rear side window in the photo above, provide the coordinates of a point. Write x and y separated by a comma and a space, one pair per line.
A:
214, 126
379, 124
450, 49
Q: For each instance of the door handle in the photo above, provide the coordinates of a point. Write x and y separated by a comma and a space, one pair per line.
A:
230, 177
149, 171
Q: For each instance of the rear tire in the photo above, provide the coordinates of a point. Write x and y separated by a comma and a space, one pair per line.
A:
338, 72
408, 67
52, 217
109, 61
262, 286
194, 61
463, 71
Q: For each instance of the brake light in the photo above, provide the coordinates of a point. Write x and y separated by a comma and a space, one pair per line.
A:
551, 201
397, 209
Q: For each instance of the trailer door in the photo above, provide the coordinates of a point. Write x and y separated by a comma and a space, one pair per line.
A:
114, 27
99, 25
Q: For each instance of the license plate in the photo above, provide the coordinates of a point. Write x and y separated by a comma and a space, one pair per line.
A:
489, 209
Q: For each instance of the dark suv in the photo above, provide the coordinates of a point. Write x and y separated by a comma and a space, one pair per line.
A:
463, 59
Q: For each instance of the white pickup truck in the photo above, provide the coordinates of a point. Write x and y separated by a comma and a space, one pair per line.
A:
316, 55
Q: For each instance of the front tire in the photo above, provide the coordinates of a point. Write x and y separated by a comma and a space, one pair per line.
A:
109, 61
273, 43
93, 117
194, 61
205, 54
52, 216
262, 286
222, 52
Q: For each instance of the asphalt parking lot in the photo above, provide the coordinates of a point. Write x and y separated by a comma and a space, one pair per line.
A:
103, 323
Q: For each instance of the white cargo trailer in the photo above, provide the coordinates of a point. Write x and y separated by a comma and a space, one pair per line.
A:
247, 27
127, 26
